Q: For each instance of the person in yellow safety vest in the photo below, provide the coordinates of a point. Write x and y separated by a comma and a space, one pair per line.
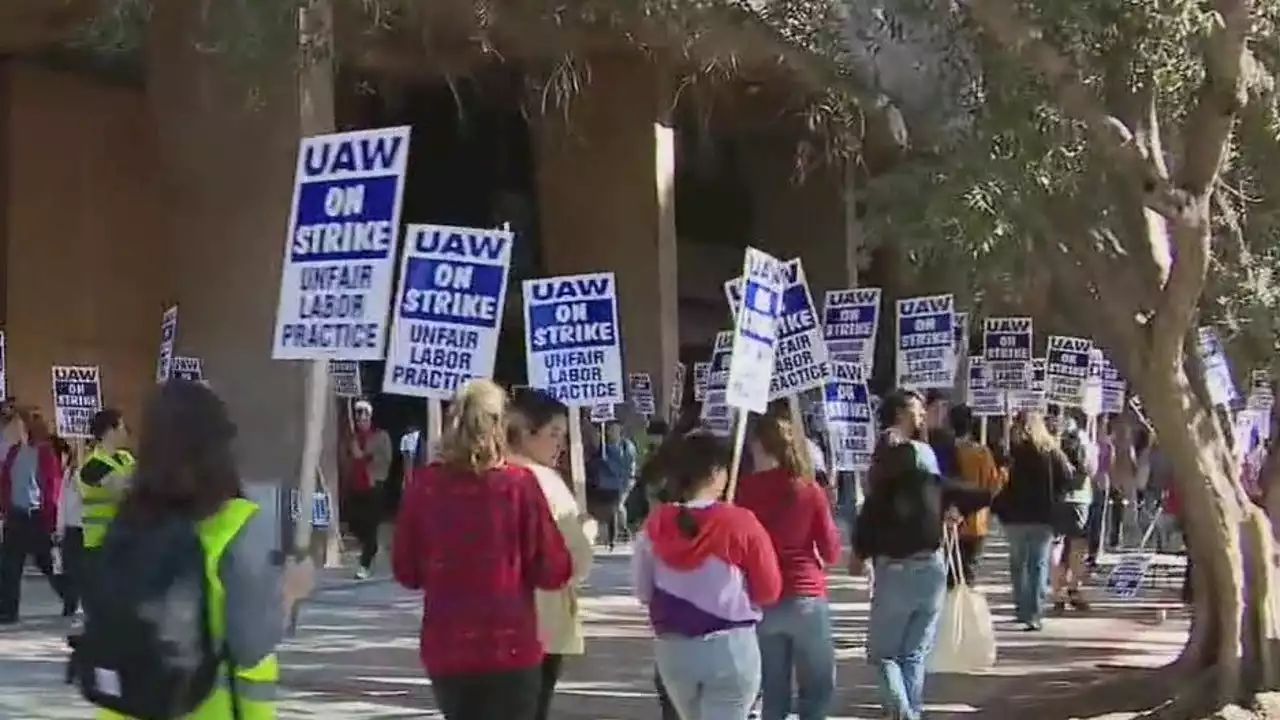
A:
105, 475
249, 598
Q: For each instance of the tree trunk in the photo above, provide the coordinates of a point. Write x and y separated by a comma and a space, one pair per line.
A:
1230, 655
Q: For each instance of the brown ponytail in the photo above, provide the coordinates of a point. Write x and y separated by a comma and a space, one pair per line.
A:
784, 442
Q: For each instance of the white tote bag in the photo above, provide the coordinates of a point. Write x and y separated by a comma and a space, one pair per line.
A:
966, 640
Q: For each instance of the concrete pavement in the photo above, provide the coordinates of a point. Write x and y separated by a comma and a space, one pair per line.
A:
356, 654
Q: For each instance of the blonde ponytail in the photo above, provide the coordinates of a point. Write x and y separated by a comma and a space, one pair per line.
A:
474, 436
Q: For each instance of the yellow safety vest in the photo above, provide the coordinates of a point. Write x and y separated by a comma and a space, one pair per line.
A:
101, 504
242, 693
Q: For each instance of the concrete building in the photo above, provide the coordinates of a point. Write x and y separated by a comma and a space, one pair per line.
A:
171, 183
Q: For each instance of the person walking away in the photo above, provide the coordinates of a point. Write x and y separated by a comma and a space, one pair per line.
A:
899, 530
617, 473
476, 537
185, 539
1038, 473
370, 458
30, 484
978, 470
1072, 509
70, 532
538, 430
795, 632
103, 478
705, 568
1105, 492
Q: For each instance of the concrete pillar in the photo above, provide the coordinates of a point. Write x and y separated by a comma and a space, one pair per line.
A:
229, 137
799, 217
606, 185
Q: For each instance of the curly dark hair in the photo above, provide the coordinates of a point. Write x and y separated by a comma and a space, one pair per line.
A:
185, 463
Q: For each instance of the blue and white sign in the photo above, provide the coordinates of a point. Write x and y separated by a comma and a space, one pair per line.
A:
321, 508
676, 398
572, 343
846, 405
800, 359
1126, 579
1067, 370
339, 261
1034, 399
4, 368
448, 311
77, 397
755, 332
1217, 371
188, 368
345, 377
926, 335
1113, 388
641, 387
1007, 349
716, 416
601, 414
850, 319
168, 335
983, 399
701, 376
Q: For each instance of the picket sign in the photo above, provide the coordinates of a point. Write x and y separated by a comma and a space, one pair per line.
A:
754, 345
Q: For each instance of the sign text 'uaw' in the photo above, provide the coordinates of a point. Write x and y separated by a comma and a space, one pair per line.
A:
77, 397
850, 319
340, 257
926, 352
448, 312
572, 341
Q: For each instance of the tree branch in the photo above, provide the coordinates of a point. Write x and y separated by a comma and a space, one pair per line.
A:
1112, 136
1224, 92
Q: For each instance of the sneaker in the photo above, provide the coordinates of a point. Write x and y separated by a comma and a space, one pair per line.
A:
362, 573
1077, 601
1032, 626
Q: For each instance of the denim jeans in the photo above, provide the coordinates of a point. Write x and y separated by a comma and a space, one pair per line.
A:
905, 605
1030, 557
712, 677
795, 635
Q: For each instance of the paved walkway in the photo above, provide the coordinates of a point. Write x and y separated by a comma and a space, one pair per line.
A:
356, 654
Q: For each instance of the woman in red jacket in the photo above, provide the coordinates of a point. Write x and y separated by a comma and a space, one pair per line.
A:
30, 487
476, 536
795, 634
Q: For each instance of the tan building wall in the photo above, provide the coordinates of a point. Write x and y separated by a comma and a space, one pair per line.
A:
85, 276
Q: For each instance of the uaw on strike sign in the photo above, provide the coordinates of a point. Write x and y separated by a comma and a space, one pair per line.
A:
448, 313
340, 257
572, 342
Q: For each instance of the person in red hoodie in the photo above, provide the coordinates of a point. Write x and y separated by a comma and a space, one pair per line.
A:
795, 634
476, 536
705, 569
30, 486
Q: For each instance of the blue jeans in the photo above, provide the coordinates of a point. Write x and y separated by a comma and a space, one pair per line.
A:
905, 605
712, 677
1030, 556
796, 635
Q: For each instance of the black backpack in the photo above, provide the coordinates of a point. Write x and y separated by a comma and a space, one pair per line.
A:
147, 650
